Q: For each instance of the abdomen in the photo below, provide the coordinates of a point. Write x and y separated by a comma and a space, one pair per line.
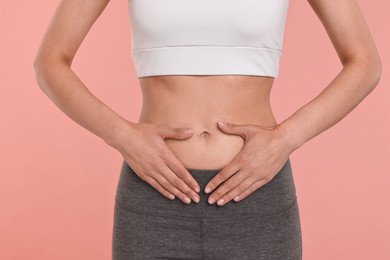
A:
199, 102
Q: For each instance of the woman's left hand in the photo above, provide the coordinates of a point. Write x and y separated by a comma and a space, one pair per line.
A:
265, 152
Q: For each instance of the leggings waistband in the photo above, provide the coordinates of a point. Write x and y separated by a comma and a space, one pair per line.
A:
136, 195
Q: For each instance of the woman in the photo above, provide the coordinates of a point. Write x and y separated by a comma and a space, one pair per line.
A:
199, 63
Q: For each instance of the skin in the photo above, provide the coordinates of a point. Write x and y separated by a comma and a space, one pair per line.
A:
249, 150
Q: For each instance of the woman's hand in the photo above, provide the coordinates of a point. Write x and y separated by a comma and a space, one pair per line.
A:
265, 152
143, 148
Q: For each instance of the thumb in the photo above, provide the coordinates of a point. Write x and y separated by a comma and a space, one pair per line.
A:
234, 129
176, 132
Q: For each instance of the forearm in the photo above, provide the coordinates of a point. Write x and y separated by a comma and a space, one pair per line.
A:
66, 90
354, 82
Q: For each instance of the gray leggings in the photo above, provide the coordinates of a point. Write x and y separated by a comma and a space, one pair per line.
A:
264, 225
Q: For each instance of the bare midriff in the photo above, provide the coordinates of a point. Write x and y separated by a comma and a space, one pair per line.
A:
199, 102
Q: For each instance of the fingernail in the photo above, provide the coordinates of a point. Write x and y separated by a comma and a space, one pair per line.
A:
171, 196
211, 201
236, 198
221, 123
207, 190
219, 202
188, 200
197, 189
196, 199
188, 131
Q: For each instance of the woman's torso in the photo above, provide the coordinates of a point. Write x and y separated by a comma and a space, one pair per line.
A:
199, 102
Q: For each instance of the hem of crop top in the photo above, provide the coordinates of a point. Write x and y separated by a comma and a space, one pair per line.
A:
206, 60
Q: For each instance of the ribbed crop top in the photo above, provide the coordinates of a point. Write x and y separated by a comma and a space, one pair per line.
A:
207, 37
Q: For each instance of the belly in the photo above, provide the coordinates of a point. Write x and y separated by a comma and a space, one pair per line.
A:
199, 102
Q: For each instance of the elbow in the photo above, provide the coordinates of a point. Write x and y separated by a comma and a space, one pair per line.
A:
39, 68
370, 67
43, 68
378, 72
40, 65
374, 70
39, 62
44, 63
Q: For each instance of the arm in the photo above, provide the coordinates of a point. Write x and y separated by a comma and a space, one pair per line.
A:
361, 72
69, 26
52, 67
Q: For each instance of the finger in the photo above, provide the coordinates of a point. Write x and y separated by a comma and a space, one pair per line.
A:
250, 190
178, 168
154, 183
175, 133
227, 186
222, 175
239, 189
163, 180
181, 185
229, 128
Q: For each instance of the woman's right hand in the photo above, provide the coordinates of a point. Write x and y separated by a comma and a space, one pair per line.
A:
143, 147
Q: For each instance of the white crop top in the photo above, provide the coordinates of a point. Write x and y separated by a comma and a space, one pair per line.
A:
207, 37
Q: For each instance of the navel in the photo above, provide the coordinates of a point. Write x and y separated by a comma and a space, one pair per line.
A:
204, 134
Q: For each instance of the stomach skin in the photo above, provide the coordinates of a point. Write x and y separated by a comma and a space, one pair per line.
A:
199, 102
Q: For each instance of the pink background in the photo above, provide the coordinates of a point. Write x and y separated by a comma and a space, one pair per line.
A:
58, 180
